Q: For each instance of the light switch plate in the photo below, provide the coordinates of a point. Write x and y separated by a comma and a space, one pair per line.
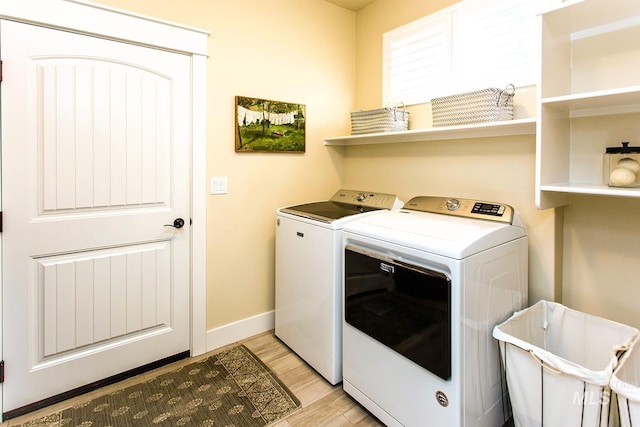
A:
218, 185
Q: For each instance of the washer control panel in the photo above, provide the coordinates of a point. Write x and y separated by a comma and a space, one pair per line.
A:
468, 208
367, 198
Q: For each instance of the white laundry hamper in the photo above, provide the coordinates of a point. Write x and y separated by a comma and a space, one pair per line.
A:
558, 364
625, 382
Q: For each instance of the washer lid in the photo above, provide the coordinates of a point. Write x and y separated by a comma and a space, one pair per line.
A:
326, 211
344, 203
451, 236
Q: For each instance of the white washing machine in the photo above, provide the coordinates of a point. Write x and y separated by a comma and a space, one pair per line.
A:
423, 288
308, 297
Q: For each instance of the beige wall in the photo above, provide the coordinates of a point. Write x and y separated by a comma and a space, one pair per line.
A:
328, 58
602, 255
285, 50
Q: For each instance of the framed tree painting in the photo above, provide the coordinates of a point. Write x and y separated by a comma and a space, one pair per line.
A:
269, 126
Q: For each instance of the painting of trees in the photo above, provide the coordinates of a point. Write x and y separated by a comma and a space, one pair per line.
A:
269, 126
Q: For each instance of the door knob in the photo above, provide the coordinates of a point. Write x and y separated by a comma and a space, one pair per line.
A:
178, 223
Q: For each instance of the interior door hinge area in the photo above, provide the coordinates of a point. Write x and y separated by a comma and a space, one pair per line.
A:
0, 71
0, 221
1, 371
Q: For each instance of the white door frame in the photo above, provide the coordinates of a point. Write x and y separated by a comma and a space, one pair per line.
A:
98, 20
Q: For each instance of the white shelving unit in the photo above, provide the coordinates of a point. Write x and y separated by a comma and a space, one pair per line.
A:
482, 130
588, 96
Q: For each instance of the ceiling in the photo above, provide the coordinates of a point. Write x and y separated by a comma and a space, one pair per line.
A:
354, 5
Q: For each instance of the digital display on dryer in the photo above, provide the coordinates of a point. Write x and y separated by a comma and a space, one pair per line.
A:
488, 209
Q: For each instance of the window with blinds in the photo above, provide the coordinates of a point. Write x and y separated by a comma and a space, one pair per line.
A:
471, 45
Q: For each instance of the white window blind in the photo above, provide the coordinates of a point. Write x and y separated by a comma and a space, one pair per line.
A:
472, 45
412, 52
497, 44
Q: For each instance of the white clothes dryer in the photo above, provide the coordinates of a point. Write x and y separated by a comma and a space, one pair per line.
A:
423, 288
308, 301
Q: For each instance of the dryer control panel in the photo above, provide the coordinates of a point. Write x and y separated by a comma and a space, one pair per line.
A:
468, 208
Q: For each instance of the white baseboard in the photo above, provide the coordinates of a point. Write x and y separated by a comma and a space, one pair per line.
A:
236, 331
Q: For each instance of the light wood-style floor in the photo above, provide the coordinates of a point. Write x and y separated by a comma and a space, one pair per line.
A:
322, 403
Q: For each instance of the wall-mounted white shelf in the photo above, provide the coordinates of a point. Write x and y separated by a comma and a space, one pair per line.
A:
590, 86
611, 101
481, 130
600, 190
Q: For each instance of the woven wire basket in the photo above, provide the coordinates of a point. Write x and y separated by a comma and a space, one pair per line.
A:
379, 120
486, 105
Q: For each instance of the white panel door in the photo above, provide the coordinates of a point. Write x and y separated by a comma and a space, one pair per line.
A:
96, 154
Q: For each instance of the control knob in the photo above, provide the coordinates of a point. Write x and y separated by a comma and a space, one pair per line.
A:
453, 204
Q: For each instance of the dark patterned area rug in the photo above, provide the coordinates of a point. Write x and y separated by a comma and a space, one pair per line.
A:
232, 388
